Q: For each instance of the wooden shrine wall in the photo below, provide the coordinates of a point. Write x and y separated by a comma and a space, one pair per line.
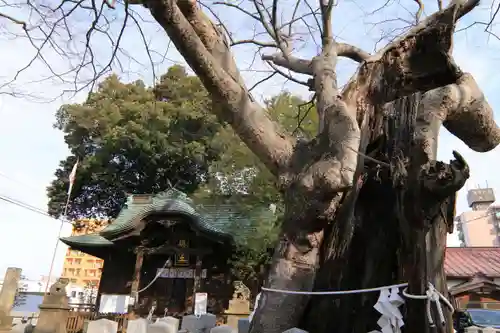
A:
117, 273
175, 294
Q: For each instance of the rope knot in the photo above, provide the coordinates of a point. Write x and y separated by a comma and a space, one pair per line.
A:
432, 295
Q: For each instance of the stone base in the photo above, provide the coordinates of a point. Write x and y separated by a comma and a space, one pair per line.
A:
52, 320
6, 324
232, 320
238, 309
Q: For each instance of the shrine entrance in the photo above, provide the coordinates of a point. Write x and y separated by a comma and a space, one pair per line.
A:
175, 289
170, 295
173, 256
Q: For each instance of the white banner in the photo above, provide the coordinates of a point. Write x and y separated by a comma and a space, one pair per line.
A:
179, 273
114, 303
200, 304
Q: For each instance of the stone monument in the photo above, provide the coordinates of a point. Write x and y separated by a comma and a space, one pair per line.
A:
7, 297
54, 310
239, 306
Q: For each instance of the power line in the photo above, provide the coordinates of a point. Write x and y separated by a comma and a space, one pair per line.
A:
28, 207
474, 219
15, 180
24, 205
42, 212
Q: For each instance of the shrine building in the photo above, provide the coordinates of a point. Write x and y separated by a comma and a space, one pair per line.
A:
161, 250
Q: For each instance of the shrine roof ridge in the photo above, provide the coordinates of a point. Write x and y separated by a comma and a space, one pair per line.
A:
214, 220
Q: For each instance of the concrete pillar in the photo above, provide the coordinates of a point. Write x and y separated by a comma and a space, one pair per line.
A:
7, 297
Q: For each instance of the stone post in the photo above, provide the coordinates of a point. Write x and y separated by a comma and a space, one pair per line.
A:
7, 297
54, 311
238, 309
239, 306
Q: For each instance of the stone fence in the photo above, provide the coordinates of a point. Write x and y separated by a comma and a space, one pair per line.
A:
189, 324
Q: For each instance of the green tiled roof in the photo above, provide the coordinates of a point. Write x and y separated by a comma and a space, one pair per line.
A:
221, 221
94, 239
170, 201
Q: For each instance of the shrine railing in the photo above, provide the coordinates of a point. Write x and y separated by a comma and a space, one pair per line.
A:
82, 307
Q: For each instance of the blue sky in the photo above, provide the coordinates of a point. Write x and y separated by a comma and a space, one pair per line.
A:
31, 148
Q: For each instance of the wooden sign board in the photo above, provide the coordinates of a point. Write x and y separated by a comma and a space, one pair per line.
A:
179, 273
142, 199
181, 259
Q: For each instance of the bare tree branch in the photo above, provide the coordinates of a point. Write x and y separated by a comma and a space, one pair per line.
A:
230, 4
420, 10
255, 42
16, 21
287, 76
303, 66
201, 44
296, 65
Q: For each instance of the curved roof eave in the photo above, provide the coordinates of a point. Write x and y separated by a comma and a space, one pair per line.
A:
92, 240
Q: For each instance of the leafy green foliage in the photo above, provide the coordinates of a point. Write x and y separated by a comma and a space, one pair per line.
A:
239, 171
240, 179
254, 247
133, 139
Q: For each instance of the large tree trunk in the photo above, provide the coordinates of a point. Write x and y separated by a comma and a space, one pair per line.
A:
374, 233
383, 241
350, 222
390, 228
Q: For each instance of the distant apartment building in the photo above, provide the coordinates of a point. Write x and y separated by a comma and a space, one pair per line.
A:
80, 268
481, 225
31, 285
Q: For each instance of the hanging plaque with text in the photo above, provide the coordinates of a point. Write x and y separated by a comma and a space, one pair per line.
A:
179, 273
181, 259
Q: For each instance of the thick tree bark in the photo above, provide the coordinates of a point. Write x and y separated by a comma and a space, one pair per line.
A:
419, 61
383, 241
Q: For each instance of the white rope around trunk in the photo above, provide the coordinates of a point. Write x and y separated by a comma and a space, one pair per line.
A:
335, 292
388, 303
